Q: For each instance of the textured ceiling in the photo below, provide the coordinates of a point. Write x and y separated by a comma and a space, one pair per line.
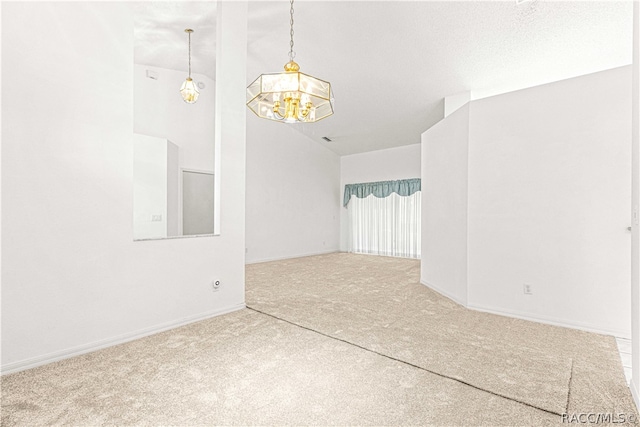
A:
160, 40
392, 62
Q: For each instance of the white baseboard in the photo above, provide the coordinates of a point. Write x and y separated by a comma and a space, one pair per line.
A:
260, 260
528, 316
635, 393
550, 321
444, 293
97, 345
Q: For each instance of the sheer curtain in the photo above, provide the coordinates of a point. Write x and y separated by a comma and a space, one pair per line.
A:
385, 225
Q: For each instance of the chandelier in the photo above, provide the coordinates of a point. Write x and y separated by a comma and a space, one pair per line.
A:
292, 96
188, 89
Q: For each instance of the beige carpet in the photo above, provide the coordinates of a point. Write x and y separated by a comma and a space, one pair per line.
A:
377, 303
245, 368
248, 368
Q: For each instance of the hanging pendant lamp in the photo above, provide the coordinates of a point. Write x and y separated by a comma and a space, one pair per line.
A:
292, 96
188, 89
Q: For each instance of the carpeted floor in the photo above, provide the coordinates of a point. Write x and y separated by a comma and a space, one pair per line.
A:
338, 339
378, 304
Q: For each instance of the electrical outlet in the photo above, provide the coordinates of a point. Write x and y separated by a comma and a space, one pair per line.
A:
215, 285
527, 289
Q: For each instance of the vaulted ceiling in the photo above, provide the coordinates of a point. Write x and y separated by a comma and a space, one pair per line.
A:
391, 63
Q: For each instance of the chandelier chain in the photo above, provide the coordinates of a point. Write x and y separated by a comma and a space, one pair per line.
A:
292, 54
189, 33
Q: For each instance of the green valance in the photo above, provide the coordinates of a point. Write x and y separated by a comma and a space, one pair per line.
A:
404, 187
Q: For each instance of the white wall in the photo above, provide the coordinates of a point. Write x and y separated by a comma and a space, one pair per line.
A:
382, 165
174, 190
454, 102
150, 186
443, 265
548, 197
293, 193
73, 279
635, 247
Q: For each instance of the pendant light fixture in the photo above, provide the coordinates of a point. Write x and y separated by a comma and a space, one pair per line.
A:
292, 96
188, 89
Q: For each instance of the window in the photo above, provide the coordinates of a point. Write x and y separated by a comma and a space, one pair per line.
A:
384, 218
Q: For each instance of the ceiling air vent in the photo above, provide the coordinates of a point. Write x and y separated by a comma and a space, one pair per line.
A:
326, 139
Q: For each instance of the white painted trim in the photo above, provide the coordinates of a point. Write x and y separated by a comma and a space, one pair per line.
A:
258, 261
97, 345
531, 317
551, 321
202, 171
379, 255
635, 393
443, 293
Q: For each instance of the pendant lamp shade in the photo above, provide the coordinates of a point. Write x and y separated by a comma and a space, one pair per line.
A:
290, 97
188, 89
